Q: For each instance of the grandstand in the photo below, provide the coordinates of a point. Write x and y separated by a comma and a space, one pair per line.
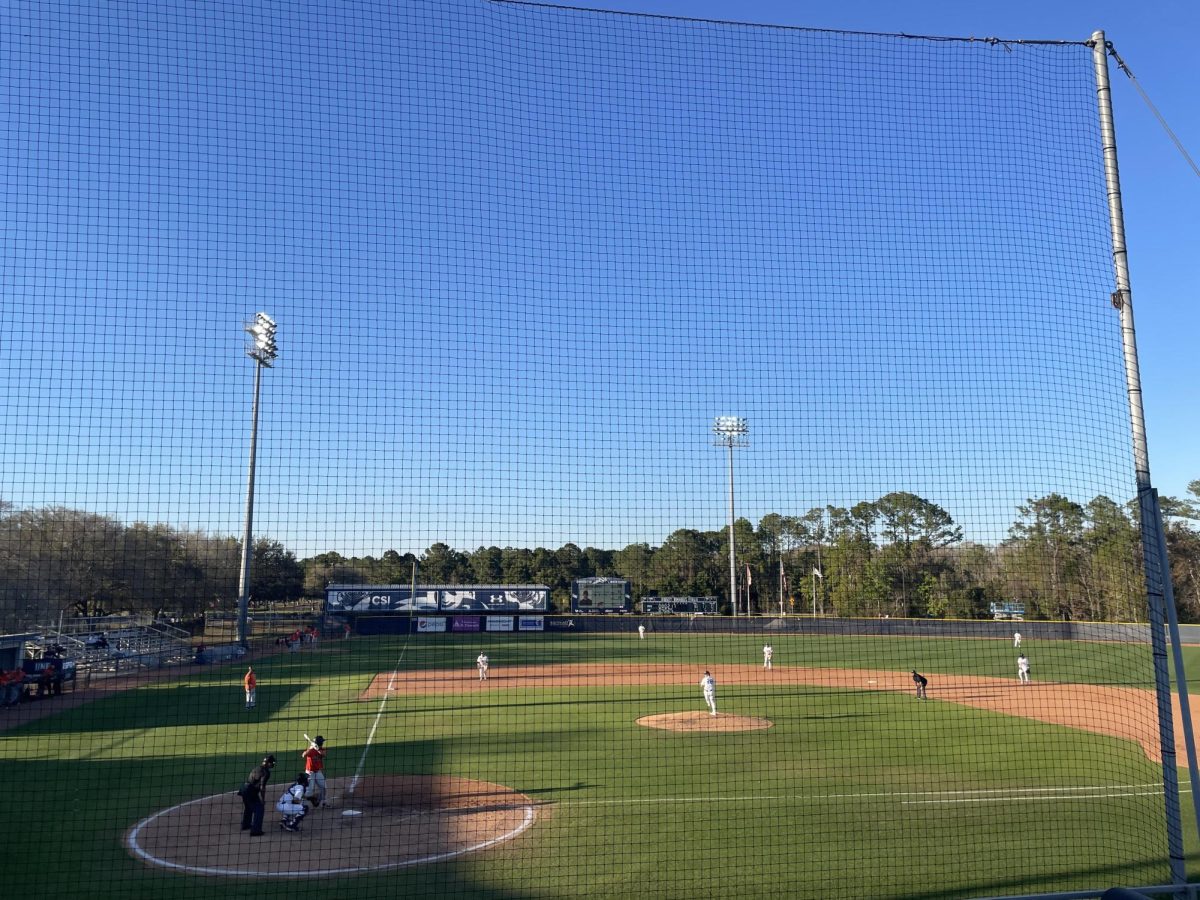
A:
112, 645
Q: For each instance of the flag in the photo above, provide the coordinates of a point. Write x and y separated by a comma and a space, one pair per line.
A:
749, 579
817, 572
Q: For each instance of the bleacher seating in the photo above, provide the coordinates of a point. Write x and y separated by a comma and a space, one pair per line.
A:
129, 643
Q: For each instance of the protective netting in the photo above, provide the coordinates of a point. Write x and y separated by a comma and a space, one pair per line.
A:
521, 257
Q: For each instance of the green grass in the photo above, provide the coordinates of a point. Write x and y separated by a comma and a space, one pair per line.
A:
851, 793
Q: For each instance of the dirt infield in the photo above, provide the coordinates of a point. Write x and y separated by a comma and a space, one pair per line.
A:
1129, 713
704, 722
389, 822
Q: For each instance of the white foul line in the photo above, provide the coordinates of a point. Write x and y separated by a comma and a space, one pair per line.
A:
982, 795
362, 760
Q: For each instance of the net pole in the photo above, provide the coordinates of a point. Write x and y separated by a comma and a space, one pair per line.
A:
1157, 570
1185, 706
243, 630
733, 591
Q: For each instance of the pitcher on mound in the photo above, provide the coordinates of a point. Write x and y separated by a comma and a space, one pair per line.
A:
708, 684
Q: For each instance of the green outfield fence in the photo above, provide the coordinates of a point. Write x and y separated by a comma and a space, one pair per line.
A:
832, 330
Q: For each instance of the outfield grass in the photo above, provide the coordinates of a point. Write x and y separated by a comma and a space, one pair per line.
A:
851, 793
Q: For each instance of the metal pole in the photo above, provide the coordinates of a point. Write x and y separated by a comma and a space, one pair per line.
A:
244, 580
781, 581
1185, 705
1157, 567
732, 553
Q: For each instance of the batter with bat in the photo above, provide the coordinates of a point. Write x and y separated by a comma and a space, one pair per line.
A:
314, 767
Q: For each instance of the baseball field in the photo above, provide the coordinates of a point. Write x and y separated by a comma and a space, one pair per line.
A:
588, 764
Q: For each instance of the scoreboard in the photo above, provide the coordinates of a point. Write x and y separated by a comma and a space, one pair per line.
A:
601, 595
706, 605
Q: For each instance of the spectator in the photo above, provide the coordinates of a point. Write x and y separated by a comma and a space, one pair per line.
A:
11, 680
17, 685
45, 680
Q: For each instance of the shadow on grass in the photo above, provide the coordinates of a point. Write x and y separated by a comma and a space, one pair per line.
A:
1099, 878
165, 706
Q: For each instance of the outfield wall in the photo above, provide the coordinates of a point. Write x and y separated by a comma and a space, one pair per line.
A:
767, 626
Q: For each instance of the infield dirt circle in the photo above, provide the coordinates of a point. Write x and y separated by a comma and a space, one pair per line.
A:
390, 821
703, 721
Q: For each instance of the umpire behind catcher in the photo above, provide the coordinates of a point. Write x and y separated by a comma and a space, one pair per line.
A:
253, 796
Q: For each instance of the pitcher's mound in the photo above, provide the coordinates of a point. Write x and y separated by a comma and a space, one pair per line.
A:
702, 721
388, 822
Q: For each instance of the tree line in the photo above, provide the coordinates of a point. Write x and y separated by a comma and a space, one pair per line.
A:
899, 555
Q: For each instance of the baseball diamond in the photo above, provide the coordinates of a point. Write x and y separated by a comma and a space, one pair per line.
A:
474, 780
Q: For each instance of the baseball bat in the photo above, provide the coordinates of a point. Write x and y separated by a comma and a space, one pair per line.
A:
307, 738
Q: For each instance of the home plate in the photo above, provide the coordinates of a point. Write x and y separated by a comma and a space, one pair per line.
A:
871, 681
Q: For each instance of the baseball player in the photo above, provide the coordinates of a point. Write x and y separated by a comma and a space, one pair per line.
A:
291, 804
1016, 639
253, 796
251, 684
314, 767
708, 684
1023, 668
768, 652
921, 682
481, 663
642, 632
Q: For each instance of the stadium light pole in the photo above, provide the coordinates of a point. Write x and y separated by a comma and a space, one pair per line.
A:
263, 351
731, 431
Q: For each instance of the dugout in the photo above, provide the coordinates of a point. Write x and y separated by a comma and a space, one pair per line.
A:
12, 649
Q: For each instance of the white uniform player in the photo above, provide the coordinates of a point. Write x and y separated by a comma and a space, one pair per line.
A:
481, 663
291, 804
768, 652
1016, 639
642, 632
1023, 669
708, 684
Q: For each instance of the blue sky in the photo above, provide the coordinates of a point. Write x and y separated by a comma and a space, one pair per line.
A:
520, 258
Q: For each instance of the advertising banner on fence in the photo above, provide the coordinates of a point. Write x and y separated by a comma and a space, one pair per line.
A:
531, 623
370, 599
493, 598
498, 623
385, 598
427, 624
558, 623
465, 623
